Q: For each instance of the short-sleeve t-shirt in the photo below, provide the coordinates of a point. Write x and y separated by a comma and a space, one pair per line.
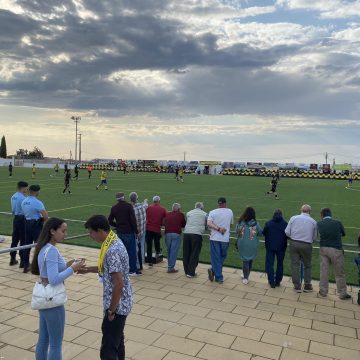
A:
16, 201
117, 260
32, 208
222, 217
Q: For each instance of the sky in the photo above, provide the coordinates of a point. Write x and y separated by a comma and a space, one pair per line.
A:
230, 80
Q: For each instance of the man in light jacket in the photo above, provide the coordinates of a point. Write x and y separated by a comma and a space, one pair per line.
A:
192, 241
302, 230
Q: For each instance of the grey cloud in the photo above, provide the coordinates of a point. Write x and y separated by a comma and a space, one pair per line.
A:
13, 27
207, 80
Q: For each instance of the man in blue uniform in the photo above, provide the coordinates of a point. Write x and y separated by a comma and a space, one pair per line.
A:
18, 234
35, 215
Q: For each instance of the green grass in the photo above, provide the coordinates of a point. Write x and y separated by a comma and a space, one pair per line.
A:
239, 191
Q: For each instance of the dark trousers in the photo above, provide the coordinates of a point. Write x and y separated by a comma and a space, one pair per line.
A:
18, 235
129, 241
149, 237
32, 232
274, 278
247, 266
192, 244
112, 343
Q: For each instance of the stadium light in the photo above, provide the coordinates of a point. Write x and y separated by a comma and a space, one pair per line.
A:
76, 119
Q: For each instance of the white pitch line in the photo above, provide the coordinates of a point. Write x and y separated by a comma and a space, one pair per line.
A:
350, 188
70, 208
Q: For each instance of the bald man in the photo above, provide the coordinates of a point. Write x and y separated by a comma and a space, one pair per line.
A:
302, 231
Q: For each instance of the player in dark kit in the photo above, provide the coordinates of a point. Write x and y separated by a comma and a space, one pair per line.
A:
274, 182
76, 171
67, 178
10, 169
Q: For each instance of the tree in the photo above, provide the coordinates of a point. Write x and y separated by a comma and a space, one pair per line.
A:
22, 153
36, 153
3, 151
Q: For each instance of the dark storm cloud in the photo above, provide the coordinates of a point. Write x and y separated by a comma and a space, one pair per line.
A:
134, 35
13, 27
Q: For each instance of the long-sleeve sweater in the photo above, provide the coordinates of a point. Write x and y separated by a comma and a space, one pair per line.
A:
54, 268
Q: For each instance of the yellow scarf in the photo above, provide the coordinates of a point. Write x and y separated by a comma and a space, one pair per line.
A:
104, 248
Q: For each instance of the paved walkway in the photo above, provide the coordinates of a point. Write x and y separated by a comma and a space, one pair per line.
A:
176, 318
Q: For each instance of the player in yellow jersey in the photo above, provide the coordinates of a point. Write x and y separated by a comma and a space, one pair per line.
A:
103, 180
33, 171
181, 175
56, 169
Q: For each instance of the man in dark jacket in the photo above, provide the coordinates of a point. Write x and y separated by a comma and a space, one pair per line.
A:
275, 244
122, 216
331, 253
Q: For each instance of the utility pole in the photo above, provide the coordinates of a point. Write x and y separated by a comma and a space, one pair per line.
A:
326, 158
76, 119
184, 155
80, 147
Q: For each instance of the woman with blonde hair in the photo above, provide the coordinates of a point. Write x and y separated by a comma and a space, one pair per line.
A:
52, 268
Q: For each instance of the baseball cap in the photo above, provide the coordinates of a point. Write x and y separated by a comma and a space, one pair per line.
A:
221, 200
120, 196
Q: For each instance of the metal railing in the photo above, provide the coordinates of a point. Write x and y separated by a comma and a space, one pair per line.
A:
23, 247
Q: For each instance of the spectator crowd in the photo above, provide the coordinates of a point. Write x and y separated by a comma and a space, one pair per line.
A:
138, 226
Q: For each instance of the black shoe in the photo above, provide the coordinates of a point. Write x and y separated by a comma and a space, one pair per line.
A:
211, 275
346, 297
13, 262
26, 269
21, 266
277, 284
308, 288
272, 285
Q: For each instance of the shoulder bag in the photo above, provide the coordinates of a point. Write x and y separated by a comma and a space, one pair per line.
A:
47, 296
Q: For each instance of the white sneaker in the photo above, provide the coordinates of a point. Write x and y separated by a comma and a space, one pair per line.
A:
245, 281
242, 275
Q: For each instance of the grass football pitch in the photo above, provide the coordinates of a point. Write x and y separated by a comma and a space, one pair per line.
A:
240, 192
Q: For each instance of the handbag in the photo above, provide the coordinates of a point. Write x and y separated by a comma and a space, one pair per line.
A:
47, 296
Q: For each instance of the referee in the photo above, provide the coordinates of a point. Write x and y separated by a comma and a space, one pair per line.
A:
18, 234
35, 215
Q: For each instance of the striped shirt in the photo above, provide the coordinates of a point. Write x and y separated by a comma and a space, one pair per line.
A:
140, 215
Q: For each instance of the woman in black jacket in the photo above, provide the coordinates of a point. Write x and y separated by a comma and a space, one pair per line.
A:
275, 245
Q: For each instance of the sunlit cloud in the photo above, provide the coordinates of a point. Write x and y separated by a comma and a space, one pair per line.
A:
192, 75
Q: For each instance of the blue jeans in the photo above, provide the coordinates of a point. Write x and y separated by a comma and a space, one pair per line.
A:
172, 243
129, 241
140, 251
218, 252
51, 332
269, 266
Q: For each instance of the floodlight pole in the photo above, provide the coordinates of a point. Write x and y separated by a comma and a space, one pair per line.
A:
80, 147
76, 119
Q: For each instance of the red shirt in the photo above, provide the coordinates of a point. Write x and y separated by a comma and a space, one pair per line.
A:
174, 222
155, 215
